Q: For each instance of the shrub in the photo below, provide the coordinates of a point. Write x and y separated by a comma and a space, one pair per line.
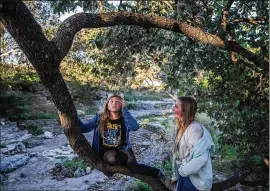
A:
13, 105
141, 186
165, 167
35, 129
75, 163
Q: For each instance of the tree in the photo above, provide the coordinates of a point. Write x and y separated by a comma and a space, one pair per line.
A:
46, 55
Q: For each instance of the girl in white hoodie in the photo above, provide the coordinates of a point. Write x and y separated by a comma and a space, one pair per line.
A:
191, 155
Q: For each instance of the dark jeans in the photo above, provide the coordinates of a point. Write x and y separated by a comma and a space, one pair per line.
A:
184, 184
127, 158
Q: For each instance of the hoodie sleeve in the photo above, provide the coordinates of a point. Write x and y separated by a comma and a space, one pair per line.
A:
194, 165
130, 121
87, 127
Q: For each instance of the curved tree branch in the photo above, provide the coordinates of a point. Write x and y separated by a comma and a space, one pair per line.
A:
75, 23
260, 62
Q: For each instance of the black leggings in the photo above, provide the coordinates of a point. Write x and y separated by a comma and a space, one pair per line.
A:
127, 158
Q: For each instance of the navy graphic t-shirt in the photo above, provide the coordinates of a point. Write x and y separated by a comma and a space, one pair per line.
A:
114, 134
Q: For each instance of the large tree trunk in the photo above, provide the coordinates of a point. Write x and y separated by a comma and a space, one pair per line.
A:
46, 56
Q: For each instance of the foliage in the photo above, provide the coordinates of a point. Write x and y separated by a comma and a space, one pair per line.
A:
147, 95
227, 167
34, 129
43, 13
166, 167
75, 163
166, 124
19, 84
3, 145
13, 105
141, 186
16, 78
256, 160
229, 152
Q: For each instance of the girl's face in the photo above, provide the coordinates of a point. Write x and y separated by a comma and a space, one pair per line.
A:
114, 104
178, 111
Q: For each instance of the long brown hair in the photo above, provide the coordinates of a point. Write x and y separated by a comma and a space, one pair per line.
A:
105, 115
189, 109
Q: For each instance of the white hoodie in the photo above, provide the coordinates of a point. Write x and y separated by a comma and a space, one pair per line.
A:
193, 157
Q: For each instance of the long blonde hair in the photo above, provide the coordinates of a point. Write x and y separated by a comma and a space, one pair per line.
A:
189, 109
105, 115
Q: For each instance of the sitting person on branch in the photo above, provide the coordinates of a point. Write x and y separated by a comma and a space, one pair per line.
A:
111, 137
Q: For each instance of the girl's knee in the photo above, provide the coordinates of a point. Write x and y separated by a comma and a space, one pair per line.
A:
110, 157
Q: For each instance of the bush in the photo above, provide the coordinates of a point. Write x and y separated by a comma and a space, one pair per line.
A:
13, 105
229, 152
25, 82
35, 129
165, 167
75, 163
141, 186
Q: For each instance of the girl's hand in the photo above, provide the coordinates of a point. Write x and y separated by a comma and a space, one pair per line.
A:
173, 185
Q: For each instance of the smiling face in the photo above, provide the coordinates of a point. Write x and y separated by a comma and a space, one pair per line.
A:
178, 110
114, 104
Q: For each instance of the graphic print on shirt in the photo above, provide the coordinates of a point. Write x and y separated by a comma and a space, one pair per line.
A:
112, 135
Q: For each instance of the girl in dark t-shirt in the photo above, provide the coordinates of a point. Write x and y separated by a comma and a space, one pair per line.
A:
111, 137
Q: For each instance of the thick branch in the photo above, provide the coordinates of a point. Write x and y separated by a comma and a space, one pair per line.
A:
230, 182
75, 23
254, 183
259, 61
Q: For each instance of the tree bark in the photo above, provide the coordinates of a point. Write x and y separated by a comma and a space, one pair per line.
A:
46, 56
